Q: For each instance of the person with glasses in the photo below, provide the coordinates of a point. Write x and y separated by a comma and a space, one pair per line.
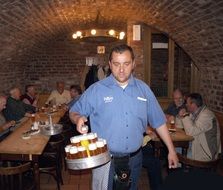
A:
202, 124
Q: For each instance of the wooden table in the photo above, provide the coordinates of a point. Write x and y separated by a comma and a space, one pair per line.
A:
16, 148
179, 138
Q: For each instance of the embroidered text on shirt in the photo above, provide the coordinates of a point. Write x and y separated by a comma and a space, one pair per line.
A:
108, 99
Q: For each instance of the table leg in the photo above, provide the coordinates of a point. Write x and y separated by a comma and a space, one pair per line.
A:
36, 175
184, 151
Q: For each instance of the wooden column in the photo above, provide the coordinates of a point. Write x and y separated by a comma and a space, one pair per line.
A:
170, 67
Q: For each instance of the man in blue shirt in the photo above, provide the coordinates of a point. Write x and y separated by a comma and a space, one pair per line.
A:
120, 108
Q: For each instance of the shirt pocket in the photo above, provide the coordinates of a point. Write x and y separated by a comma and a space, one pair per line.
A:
139, 107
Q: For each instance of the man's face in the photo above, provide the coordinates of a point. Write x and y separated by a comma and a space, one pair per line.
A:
121, 66
178, 99
2, 103
17, 94
191, 107
60, 87
73, 93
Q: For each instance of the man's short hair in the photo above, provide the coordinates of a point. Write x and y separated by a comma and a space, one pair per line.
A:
120, 49
196, 98
28, 86
77, 88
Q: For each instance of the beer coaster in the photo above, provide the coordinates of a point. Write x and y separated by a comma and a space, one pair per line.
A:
25, 136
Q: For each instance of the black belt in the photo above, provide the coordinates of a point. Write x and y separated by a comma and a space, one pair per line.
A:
113, 154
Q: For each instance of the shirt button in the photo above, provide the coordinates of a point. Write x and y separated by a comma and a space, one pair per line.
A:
126, 113
127, 125
127, 137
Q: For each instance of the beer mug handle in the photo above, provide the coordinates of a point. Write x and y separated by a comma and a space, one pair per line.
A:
84, 128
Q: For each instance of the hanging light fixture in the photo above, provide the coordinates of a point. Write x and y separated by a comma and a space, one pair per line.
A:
99, 32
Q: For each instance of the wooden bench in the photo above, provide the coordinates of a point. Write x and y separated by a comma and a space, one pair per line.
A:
219, 116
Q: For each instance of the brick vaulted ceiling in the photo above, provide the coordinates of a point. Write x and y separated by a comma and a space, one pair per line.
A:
196, 25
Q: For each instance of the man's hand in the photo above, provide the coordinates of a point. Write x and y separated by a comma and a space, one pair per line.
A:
81, 127
173, 160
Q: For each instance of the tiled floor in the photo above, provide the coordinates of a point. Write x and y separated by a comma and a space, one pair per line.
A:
81, 180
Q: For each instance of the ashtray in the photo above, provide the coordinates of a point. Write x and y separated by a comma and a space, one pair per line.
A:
51, 129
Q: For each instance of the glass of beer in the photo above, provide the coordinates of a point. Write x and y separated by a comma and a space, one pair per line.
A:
33, 118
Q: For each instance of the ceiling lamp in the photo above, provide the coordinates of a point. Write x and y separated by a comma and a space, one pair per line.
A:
99, 32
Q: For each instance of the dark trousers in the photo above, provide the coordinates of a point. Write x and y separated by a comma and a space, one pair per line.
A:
153, 166
135, 165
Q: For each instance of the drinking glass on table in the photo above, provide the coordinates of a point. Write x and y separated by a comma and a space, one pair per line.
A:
33, 118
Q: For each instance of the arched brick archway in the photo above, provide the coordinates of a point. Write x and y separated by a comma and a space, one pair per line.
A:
27, 26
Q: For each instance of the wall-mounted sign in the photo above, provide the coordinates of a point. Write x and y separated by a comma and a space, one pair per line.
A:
101, 49
136, 32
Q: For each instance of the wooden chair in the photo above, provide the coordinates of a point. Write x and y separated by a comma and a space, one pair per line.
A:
50, 161
190, 164
12, 177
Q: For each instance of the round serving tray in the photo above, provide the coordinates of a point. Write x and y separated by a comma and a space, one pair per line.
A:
90, 162
51, 130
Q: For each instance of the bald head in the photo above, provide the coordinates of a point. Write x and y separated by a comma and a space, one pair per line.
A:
2, 102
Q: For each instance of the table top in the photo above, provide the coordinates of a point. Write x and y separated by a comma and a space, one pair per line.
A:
15, 144
178, 135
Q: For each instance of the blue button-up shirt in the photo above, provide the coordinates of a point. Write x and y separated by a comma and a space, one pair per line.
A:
120, 115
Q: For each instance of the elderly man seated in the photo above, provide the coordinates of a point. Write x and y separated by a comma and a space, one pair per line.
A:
59, 96
3, 124
15, 108
178, 103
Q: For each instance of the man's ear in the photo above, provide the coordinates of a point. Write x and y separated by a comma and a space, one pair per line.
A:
109, 64
134, 65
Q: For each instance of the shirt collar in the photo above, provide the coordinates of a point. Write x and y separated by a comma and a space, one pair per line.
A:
113, 82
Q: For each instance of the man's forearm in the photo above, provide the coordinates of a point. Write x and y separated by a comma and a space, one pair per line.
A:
164, 135
74, 116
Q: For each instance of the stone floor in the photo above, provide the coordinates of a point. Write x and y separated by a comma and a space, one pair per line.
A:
81, 180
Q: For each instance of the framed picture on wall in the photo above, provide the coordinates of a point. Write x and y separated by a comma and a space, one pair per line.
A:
100, 49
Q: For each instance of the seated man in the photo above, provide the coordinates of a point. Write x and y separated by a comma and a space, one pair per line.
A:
202, 124
15, 108
59, 96
177, 104
75, 93
30, 96
3, 124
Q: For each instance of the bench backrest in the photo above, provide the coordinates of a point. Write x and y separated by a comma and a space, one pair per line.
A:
219, 116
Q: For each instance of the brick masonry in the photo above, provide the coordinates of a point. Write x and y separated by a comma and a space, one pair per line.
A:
32, 29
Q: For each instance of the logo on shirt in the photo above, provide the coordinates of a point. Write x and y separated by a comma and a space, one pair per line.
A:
108, 99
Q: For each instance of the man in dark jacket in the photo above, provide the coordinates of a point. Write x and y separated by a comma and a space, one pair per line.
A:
15, 108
